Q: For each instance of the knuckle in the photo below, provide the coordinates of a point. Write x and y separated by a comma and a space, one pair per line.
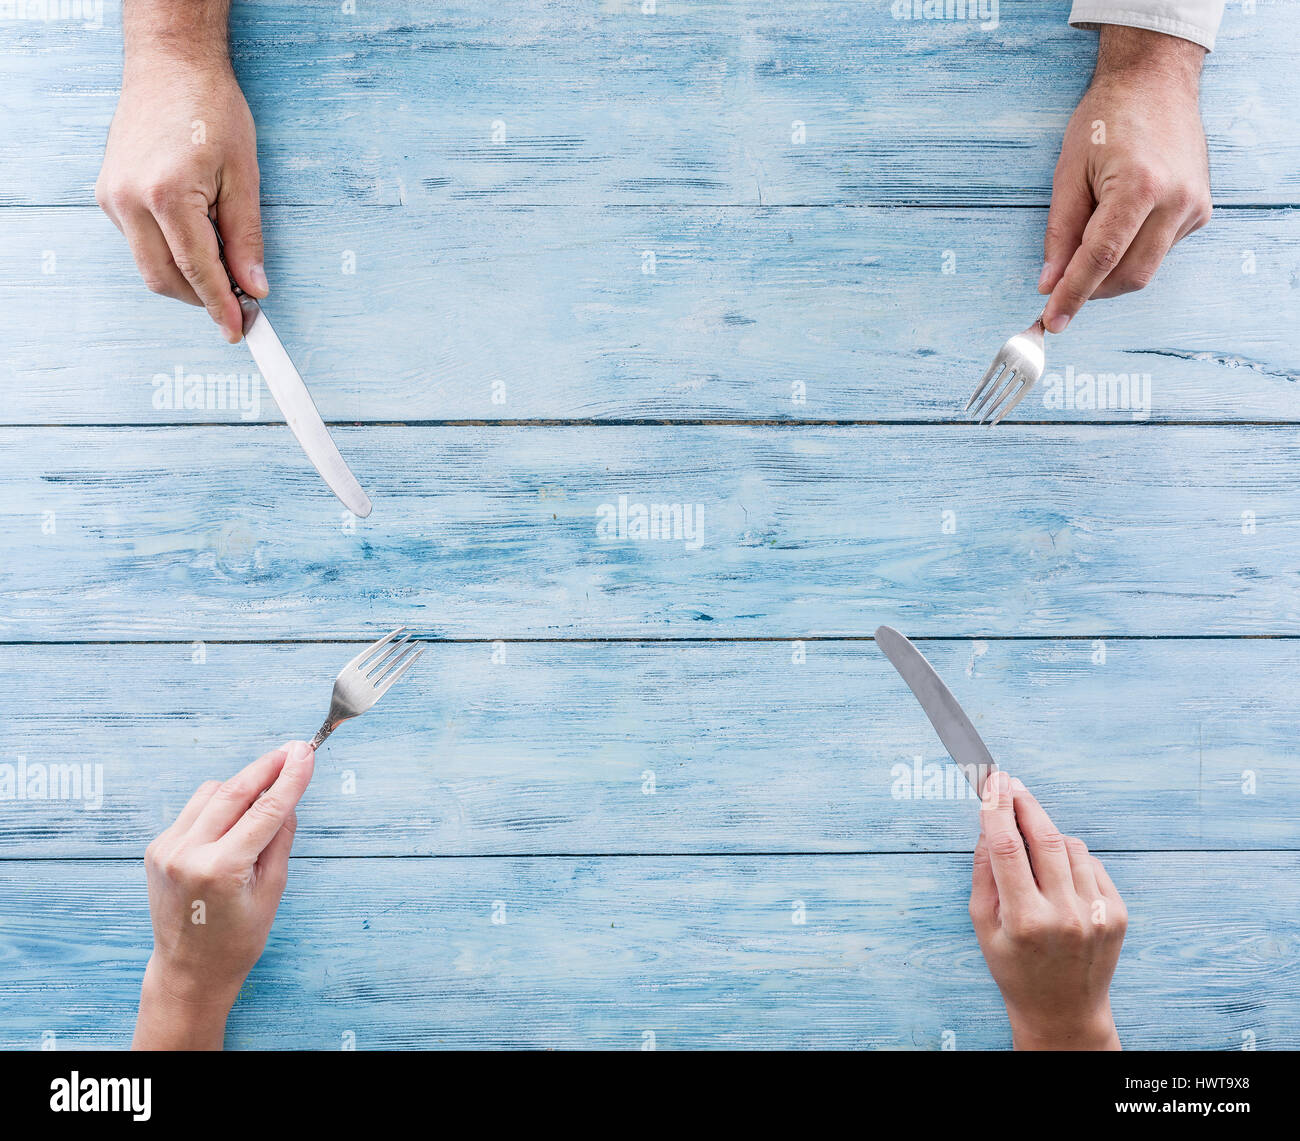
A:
1050, 841
172, 865
188, 264
1073, 296
1004, 845
207, 870
250, 236
1135, 279
118, 202
1026, 928
1104, 254
1181, 197
160, 193
1056, 233
266, 808
1070, 928
1145, 185
1077, 847
232, 791
159, 283
109, 188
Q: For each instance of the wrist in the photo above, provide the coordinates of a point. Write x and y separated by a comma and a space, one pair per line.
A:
181, 1012
176, 33
161, 58
1138, 54
1094, 1032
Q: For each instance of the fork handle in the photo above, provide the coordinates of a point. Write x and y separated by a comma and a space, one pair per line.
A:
323, 732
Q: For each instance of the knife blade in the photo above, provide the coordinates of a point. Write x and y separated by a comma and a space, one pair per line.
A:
955, 730
294, 399
291, 394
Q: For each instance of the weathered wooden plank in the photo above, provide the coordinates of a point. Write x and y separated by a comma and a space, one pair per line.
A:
650, 314
616, 747
226, 532
698, 103
702, 952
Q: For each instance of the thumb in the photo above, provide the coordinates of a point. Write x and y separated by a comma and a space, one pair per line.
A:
1072, 206
274, 860
239, 218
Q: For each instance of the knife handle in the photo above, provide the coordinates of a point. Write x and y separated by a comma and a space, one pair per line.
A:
221, 253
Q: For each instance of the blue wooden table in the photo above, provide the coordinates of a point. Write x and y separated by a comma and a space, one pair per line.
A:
544, 259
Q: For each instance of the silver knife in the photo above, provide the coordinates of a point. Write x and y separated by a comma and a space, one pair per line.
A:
955, 730
291, 394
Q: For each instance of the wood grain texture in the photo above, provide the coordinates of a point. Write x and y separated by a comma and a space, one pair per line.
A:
595, 952
518, 262
227, 532
535, 748
546, 313
695, 104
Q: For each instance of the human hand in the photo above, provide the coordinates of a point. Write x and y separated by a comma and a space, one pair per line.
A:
1049, 922
182, 148
1133, 177
215, 881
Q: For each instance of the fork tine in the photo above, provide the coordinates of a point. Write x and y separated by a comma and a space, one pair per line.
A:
372, 668
369, 651
993, 368
986, 417
380, 679
382, 671
1016, 399
996, 392
390, 679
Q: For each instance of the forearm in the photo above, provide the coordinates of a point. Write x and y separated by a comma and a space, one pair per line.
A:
173, 1017
191, 32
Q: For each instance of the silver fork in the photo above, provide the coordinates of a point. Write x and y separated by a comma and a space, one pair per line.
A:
366, 678
1017, 367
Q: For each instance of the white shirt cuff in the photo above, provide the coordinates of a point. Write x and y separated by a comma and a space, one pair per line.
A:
1195, 20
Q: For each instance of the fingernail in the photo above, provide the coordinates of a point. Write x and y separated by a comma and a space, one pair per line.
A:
297, 751
257, 275
1044, 277
1057, 323
1018, 784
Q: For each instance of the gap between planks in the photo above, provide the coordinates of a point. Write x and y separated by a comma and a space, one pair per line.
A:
715, 855
968, 425
434, 208
638, 640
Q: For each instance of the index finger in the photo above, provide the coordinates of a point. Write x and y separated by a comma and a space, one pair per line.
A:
193, 243
1108, 234
1006, 848
1049, 856
269, 812
983, 888
230, 800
